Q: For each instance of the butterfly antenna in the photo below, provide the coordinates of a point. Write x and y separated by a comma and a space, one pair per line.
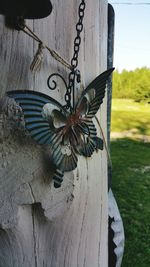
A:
105, 144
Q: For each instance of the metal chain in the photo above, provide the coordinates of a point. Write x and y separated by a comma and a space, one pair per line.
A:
74, 60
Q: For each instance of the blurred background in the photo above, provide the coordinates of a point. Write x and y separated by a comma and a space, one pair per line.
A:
130, 126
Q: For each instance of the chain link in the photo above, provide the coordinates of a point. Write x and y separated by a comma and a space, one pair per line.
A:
74, 60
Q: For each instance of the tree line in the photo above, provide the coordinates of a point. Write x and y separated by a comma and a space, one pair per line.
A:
132, 84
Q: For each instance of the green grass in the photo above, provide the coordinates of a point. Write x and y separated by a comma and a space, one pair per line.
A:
131, 182
128, 115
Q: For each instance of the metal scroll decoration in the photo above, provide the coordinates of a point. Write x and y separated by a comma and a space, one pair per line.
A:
69, 129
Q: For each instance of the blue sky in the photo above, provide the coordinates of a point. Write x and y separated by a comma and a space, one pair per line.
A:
132, 35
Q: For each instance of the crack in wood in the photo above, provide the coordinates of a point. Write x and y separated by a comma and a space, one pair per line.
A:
31, 192
34, 237
82, 227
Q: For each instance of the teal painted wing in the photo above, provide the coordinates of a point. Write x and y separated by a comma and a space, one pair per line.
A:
39, 125
45, 119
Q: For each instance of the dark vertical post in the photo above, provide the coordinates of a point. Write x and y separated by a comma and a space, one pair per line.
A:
110, 53
116, 231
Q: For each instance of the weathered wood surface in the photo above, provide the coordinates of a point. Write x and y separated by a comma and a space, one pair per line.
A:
40, 225
26, 171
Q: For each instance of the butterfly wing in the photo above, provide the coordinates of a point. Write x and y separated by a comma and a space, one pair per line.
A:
37, 123
46, 127
88, 105
92, 97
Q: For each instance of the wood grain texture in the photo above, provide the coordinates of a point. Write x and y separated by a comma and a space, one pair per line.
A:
15, 56
27, 170
42, 226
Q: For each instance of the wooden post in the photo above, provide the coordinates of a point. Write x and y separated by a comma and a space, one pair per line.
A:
41, 225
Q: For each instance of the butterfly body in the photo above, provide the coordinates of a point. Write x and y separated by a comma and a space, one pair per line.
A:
67, 133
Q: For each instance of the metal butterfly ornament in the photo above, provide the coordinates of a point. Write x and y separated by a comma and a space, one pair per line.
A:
69, 129
68, 132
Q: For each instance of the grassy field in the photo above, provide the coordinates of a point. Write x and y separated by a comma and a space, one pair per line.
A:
130, 116
131, 179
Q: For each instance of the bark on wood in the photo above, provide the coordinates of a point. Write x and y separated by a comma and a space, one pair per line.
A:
40, 225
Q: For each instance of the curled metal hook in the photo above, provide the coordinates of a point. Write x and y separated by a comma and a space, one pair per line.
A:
49, 80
